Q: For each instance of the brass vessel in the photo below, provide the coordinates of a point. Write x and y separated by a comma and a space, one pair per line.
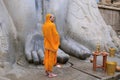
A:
98, 47
112, 52
110, 68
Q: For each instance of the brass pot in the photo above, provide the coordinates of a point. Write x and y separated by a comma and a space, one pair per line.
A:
110, 68
112, 52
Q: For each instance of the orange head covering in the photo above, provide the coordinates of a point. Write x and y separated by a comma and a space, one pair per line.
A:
48, 17
51, 36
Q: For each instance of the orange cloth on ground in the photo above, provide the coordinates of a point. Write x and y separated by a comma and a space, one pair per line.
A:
51, 43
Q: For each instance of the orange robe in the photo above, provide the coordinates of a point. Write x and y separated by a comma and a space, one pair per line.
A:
51, 43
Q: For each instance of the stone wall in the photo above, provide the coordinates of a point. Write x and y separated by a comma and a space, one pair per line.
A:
111, 16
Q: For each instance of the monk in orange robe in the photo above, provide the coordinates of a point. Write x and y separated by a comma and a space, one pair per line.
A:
51, 44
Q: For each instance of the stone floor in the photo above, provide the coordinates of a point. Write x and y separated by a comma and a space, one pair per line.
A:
75, 69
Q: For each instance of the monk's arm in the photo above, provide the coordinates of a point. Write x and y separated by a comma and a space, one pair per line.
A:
56, 36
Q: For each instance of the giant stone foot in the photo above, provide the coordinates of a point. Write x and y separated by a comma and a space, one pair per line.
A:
35, 53
82, 26
73, 48
86, 26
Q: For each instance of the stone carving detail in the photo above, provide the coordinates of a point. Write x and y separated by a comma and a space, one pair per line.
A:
4, 45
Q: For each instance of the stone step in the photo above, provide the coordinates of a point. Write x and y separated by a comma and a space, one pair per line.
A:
3, 78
